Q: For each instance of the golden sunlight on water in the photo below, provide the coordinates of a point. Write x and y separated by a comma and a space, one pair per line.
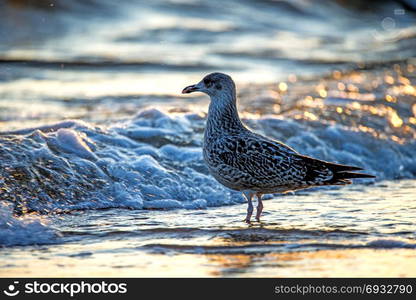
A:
324, 263
374, 102
312, 235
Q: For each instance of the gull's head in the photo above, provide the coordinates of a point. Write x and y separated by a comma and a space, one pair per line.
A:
215, 85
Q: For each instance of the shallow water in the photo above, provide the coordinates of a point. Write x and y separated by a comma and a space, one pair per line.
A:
352, 231
100, 156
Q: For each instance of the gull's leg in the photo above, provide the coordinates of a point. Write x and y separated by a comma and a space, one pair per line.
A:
249, 197
259, 207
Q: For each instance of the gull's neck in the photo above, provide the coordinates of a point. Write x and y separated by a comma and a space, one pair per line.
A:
223, 116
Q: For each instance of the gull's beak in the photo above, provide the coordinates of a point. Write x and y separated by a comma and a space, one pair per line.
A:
190, 89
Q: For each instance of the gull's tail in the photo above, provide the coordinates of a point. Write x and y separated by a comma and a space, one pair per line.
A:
317, 170
343, 173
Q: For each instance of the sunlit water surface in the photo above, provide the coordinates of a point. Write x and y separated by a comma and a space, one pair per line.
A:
355, 231
101, 170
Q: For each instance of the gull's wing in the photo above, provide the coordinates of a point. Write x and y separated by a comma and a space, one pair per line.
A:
252, 161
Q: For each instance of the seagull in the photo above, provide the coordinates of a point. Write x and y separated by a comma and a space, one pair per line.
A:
245, 161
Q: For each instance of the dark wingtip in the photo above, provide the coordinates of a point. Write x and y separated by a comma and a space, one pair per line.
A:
343, 168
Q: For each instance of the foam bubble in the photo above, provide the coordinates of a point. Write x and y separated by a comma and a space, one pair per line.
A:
21, 231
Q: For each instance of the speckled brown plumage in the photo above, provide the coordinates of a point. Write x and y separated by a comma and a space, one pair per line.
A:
246, 161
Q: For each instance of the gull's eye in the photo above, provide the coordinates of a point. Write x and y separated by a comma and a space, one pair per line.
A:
208, 82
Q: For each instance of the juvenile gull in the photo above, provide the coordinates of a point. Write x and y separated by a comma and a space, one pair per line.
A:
251, 163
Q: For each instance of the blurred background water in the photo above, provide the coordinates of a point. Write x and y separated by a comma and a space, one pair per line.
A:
91, 118
64, 59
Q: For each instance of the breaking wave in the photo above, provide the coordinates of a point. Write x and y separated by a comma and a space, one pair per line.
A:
155, 161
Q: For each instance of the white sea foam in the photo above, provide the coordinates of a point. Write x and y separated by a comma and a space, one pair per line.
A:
72, 142
20, 231
155, 161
